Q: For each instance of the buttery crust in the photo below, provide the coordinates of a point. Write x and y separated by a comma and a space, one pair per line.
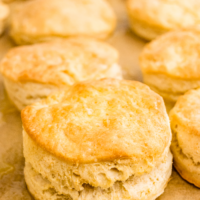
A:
4, 12
175, 54
63, 18
62, 62
171, 63
159, 16
101, 120
23, 94
186, 112
186, 136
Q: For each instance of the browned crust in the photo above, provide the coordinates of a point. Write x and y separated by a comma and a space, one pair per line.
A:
157, 56
61, 62
186, 111
133, 124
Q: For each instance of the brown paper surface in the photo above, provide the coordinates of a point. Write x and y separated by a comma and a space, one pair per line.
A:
12, 184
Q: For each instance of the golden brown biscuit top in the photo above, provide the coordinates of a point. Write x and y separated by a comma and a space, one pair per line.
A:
46, 18
168, 14
176, 54
4, 11
187, 111
101, 120
61, 62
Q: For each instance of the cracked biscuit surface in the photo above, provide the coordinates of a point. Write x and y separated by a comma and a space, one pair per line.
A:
100, 139
149, 19
171, 63
33, 72
186, 136
61, 19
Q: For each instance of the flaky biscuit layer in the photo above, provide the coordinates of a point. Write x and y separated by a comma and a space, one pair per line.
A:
145, 187
186, 136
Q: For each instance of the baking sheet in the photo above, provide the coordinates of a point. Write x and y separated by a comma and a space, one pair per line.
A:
12, 184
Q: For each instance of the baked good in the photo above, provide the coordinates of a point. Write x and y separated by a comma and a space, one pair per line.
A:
11, 1
32, 72
185, 146
171, 63
61, 19
4, 12
100, 139
149, 19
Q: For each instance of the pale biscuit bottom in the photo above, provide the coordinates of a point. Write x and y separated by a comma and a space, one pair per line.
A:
145, 187
146, 31
169, 88
23, 94
186, 160
171, 85
99, 174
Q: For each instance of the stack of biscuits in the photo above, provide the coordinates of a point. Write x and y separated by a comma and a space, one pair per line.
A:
88, 134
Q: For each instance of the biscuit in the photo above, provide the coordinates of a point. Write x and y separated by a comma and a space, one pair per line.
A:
185, 146
149, 19
11, 1
171, 64
4, 12
61, 19
32, 72
100, 139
